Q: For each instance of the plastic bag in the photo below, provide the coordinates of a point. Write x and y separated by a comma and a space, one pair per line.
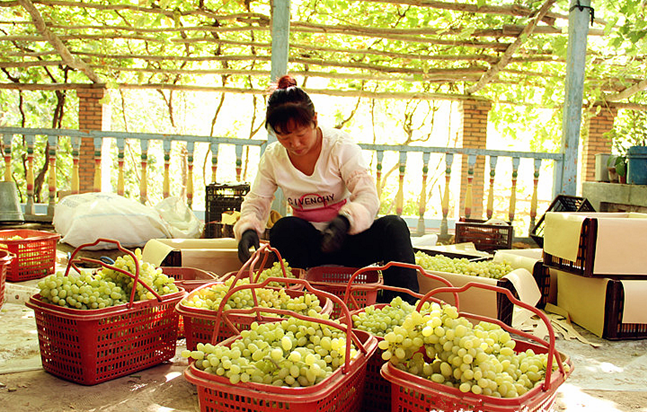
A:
181, 220
86, 217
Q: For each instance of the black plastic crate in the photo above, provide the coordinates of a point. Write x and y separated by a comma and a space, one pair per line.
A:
562, 203
486, 237
221, 198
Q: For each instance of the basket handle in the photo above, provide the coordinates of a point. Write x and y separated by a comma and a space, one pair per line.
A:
551, 333
354, 287
72, 263
319, 293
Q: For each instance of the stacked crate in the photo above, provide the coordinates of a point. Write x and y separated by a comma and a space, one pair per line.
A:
601, 270
221, 198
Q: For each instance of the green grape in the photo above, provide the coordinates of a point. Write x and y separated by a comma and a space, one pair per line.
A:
259, 355
104, 288
211, 298
479, 359
483, 268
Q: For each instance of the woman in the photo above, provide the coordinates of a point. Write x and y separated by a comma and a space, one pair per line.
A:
333, 197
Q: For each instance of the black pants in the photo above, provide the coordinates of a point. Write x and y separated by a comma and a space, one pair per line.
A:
388, 239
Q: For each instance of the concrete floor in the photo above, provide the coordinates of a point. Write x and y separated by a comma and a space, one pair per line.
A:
611, 377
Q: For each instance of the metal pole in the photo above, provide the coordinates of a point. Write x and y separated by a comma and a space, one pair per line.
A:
579, 19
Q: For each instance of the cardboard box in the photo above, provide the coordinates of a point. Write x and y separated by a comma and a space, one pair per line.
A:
610, 308
487, 302
597, 244
219, 256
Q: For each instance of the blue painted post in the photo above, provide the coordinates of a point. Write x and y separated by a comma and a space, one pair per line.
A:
280, 50
579, 19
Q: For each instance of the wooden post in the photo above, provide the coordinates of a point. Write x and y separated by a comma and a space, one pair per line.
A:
6, 141
533, 201
444, 230
490, 198
422, 205
190, 146
121, 184
143, 182
378, 172
166, 189
399, 199
513, 189
30, 208
53, 141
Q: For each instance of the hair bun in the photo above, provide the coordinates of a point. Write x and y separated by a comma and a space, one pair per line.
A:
285, 82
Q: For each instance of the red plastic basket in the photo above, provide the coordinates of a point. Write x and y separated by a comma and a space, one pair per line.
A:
5, 260
377, 390
340, 392
335, 279
97, 345
188, 279
35, 253
412, 393
201, 325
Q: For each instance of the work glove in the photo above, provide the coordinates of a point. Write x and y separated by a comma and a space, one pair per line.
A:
247, 240
335, 234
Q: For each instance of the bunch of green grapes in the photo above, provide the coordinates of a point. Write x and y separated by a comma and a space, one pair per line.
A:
445, 348
148, 273
293, 353
380, 321
277, 272
106, 287
483, 268
81, 291
211, 297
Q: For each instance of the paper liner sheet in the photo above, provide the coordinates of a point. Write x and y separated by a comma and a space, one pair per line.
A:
219, 256
482, 301
620, 243
584, 299
635, 303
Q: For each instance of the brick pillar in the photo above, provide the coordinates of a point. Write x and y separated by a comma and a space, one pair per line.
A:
473, 134
595, 142
93, 115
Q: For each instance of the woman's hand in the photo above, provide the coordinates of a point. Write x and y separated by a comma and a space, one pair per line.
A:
335, 234
247, 240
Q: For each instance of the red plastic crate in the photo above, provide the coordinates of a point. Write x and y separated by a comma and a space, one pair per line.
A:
188, 279
334, 279
412, 393
342, 391
200, 324
5, 260
89, 346
93, 346
35, 253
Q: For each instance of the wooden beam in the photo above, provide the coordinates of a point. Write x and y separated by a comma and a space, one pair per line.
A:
56, 43
507, 56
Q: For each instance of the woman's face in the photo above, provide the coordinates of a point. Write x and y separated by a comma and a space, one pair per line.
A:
299, 140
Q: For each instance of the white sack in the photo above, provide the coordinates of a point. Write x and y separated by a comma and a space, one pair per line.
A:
86, 217
182, 222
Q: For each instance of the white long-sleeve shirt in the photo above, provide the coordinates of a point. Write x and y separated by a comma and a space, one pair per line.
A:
340, 183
